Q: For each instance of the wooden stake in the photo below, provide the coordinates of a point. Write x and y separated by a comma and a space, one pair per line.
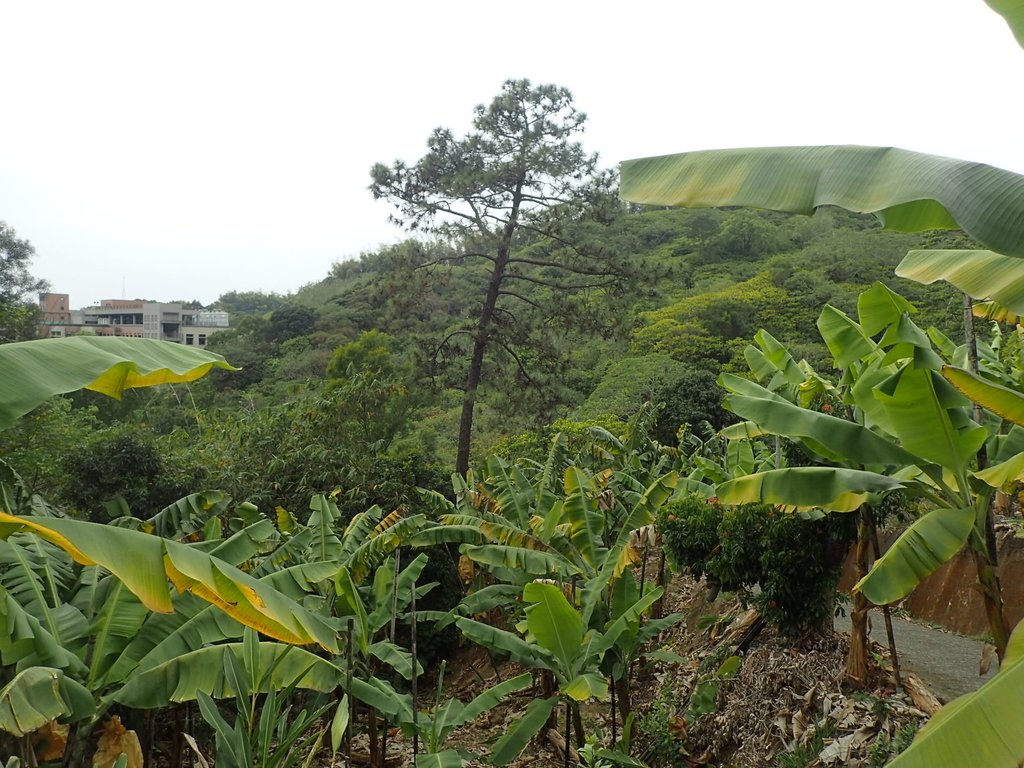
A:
415, 665
348, 692
885, 609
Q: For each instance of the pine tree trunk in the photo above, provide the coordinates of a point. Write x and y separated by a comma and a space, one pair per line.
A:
483, 329
476, 364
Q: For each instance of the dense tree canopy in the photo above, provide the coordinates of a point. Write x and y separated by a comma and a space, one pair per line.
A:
18, 311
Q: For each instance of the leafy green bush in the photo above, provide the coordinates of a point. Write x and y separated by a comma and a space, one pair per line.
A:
799, 572
689, 533
794, 560
741, 537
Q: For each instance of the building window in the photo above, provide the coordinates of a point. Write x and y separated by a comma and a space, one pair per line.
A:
188, 339
202, 339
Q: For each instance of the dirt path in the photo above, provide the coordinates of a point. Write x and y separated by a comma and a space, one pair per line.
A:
946, 661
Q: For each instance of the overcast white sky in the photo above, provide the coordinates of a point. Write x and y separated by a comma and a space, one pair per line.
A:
182, 150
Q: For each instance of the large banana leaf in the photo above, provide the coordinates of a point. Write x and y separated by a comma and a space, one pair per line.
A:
771, 362
188, 514
195, 623
981, 728
34, 371
879, 307
39, 576
482, 702
829, 436
512, 490
1004, 473
447, 758
117, 623
930, 418
554, 623
203, 670
831, 488
508, 747
983, 275
504, 641
643, 512
145, 563
583, 515
931, 541
24, 641
844, 337
1013, 12
907, 191
38, 695
529, 561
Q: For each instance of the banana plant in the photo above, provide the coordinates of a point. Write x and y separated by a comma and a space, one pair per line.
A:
100, 636
583, 532
909, 429
268, 732
555, 638
435, 724
910, 192
631, 645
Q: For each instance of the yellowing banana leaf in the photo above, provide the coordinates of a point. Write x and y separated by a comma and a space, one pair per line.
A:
1002, 401
203, 670
34, 371
145, 563
586, 686
980, 728
1013, 12
1004, 473
907, 191
834, 489
932, 540
982, 275
989, 310
743, 430
38, 695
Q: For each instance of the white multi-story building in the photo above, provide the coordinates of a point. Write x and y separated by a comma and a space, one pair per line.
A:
125, 317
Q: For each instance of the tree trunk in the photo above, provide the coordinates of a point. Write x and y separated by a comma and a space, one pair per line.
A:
476, 364
857, 660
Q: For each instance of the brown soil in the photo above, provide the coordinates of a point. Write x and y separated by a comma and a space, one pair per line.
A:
785, 698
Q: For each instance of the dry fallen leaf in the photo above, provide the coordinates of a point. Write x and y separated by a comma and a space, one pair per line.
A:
466, 569
988, 655
50, 741
115, 741
678, 726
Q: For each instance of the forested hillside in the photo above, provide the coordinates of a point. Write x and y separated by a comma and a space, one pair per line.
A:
353, 382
